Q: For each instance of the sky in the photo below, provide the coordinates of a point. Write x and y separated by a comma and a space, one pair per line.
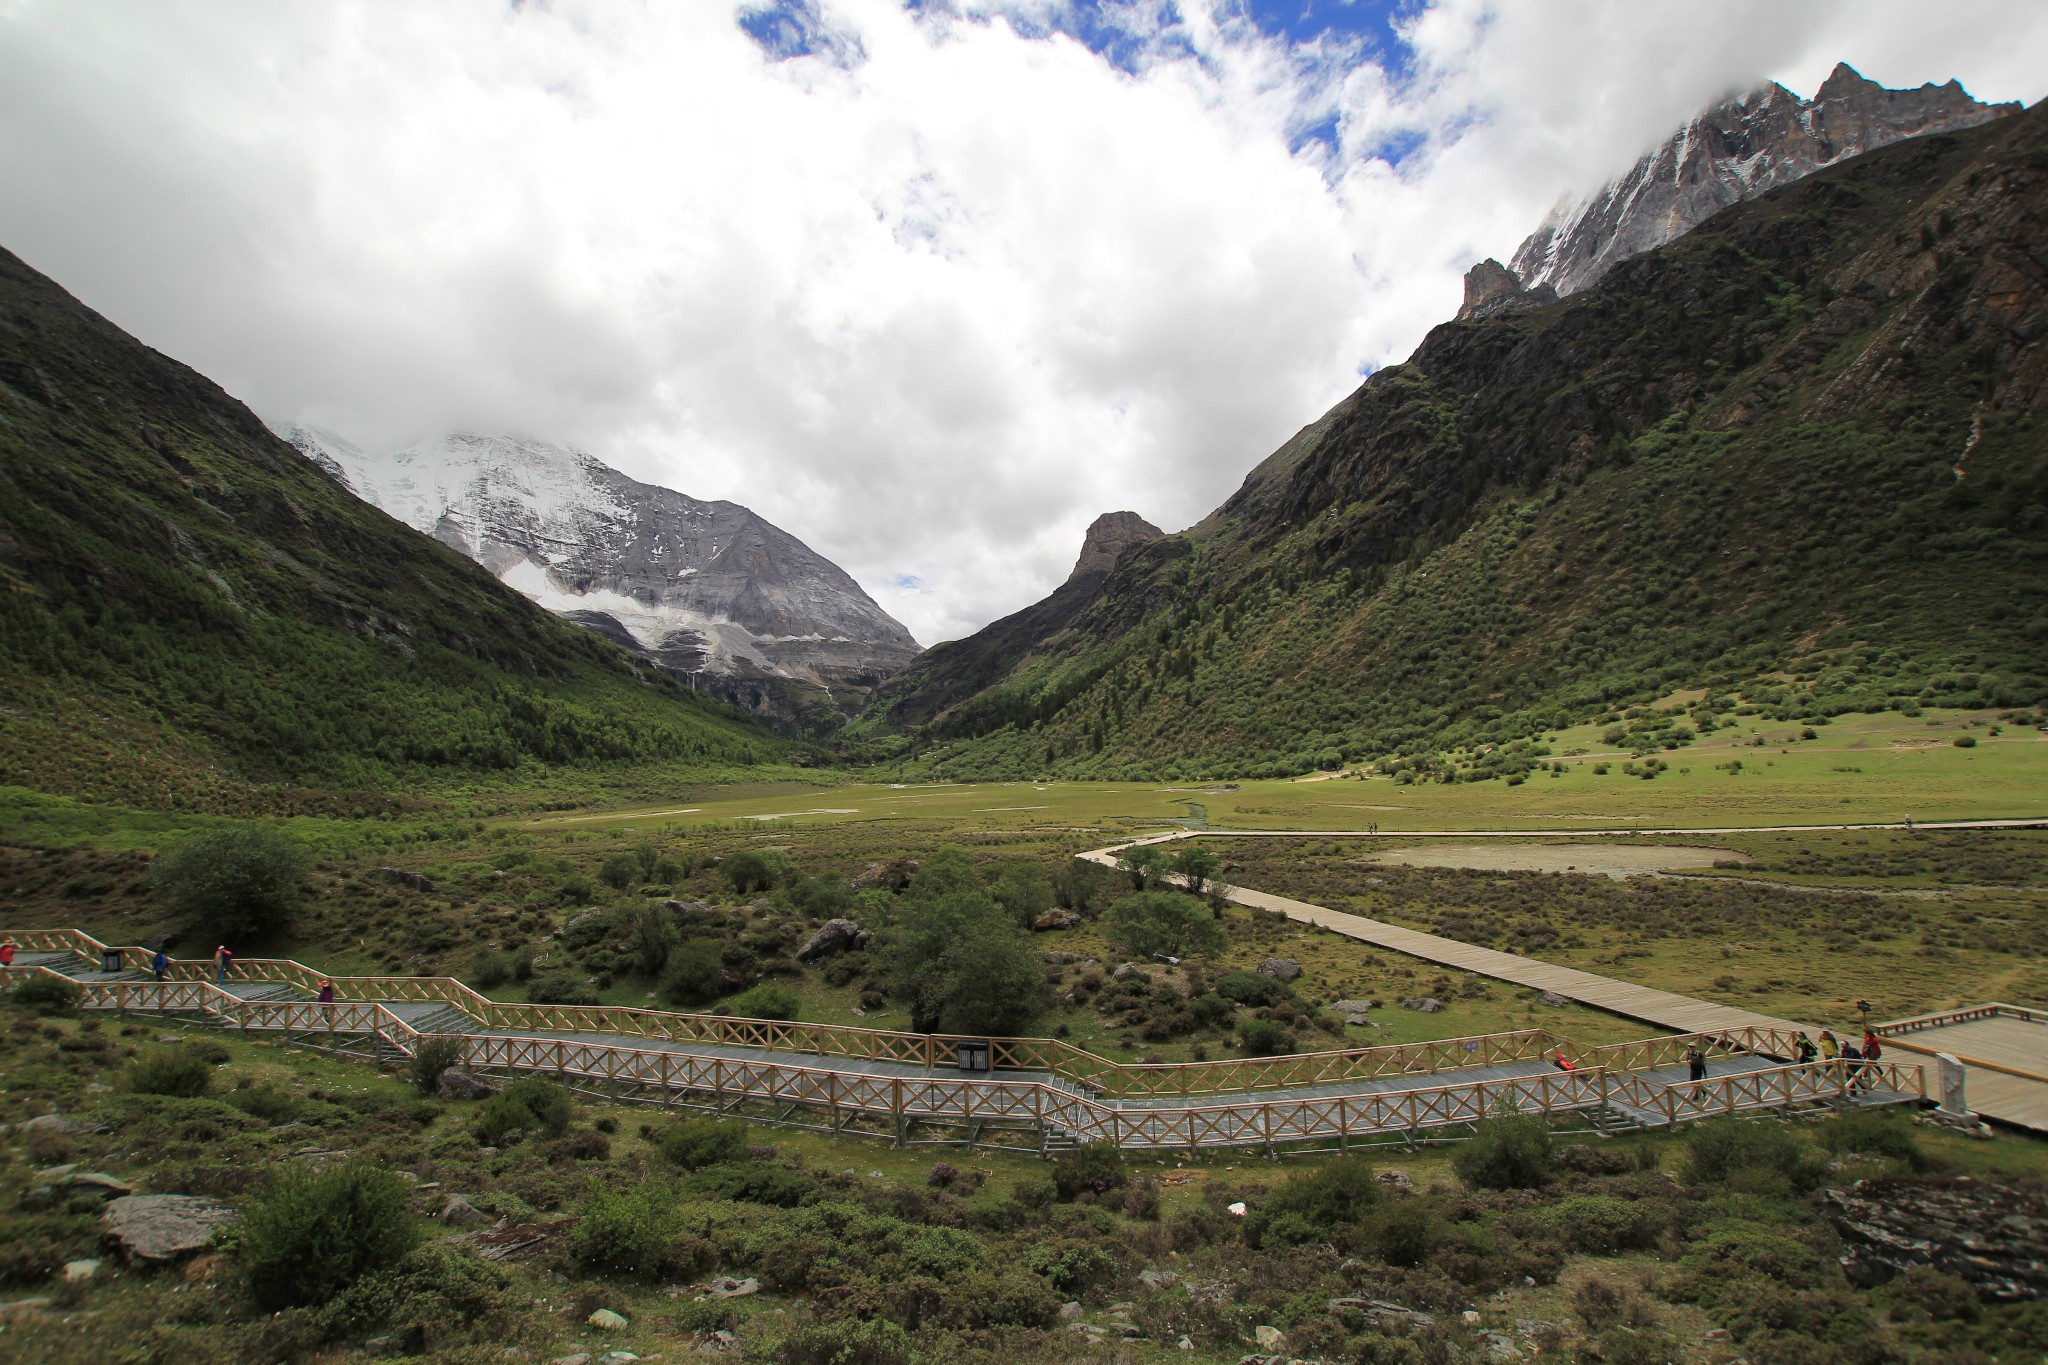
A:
928, 283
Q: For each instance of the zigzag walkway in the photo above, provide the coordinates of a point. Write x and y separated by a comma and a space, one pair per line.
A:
1037, 1092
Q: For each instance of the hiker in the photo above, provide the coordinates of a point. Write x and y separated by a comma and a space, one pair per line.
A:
160, 966
1909, 824
326, 995
7, 953
1563, 1064
1872, 1050
1852, 1063
1829, 1049
222, 960
1804, 1051
1695, 1063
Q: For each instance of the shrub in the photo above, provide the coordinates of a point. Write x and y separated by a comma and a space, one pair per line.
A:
873, 1342
1093, 1168
489, 970
1250, 988
748, 872
312, 1234
436, 1297
1408, 1232
1263, 1038
527, 1105
1507, 1153
696, 1143
48, 995
1164, 923
1306, 1206
562, 987
755, 1183
171, 1071
695, 974
1871, 1134
1965, 741
637, 1234
1069, 1264
619, 871
1598, 1224
1022, 893
433, 1056
654, 937
1725, 1148
38, 1244
236, 882
577, 890
766, 1001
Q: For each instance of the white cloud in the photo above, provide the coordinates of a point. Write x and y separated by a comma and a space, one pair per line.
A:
931, 300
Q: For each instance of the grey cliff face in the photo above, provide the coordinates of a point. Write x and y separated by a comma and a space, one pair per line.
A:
1733, 152
701, 587
1109, 535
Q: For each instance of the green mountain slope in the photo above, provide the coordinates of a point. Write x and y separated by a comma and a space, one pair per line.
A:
189, 610
1797, 455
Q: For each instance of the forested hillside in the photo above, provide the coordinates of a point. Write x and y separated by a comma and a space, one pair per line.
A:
190, 611
1795, 457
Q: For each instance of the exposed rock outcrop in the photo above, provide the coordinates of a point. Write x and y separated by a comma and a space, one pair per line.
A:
146, 1228
1109, 535
1992, 1234
1491, 288
834, 936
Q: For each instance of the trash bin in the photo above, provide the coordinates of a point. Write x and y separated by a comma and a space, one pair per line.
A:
110, 959
973, 1054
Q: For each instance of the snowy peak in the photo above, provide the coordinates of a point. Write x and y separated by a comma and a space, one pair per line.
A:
702, 587
1733, 152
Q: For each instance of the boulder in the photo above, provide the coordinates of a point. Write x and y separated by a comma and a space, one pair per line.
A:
53, 1123
1280, 968
398, 876
1423, 1004
834, 936
890, 876
93, 1182
1270, 1338
457, 1084
1056, 918
605, 1320
78, 1272
1071, 1312
460, 1213
1398, 1180
147, 1228
1991, 1233
1554, 1000
725, 1287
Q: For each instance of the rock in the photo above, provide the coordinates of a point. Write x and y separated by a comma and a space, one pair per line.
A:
160, 1227
1129, 1331
457, 1084
580, 1358
1399, 1180
1270, 1338
578, 921
460, 1213
1211, 1291
1237, 1210
685, 910
620, 1358
1423, 1004
1491, 287
1185, 1344
52, 1123
726, 1287
1990, 1233
1055, 918
1354, 1006
1070, 1312
93, 1182
718, 1342
398, 876
605, 1320
1158, 1279
524, 1241
1057, 958
78, 1272
1280, 968
1469, 1317
891, 876
834, 936
1554, 1000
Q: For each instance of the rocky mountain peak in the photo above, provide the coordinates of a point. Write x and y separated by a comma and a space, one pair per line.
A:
1730, 153
1108, 537
1491, 287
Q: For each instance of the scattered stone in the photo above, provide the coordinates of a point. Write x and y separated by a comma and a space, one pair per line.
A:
1717, 1334
718, 1342
1470, 1317
578, 921
1211, 1291
524, 1241
891, 876
1057, 958
1186, 1344
457, 1084
93, 1182
1280, 968
1381, 1310
1554, 1000
1270, 1338
1123, 970
725, 1287
1070, 1312
52, 1123
1129, 1331
78, 1272
1237, 1210
834, 936
580, 1358
1399, 1180
1158, 1279
1423, 1004
147, 1228
605, 1320
24, 1306
620, 1358
398, 876
1056, 918
460, 1213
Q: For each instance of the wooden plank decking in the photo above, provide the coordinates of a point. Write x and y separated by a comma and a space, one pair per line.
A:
2003, 1048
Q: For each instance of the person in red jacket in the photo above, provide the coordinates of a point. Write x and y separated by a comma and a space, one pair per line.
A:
7, 953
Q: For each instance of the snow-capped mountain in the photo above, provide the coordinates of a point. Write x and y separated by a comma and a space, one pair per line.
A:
704, 588
1733, 152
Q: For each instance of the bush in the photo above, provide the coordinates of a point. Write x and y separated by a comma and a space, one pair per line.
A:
562, 987
748, 872
1263, 1038
873, 1342
527, 1105
695, 974
312, 1234
1726, 1148
1871, 1134
38, 1244
654, 937
1022, 893
232, 883
1598, 1224
1094, 1168
619, 871
436, 1297
48, 995
1305, 1207
1507, 1153
172, 1071
434, 1056
1250, 988
696, 1143
1069, 1264
637, 1234
755, 1183
1164, 924
489, 970
1408, 1232
766, 1001
957, 960
577, 890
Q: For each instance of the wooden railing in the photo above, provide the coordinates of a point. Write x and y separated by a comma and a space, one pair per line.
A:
1971, 1014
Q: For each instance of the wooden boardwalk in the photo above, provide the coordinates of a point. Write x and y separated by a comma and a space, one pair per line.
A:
2004, 1049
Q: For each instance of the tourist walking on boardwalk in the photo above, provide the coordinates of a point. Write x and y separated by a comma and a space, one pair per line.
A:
160, 966
222, 960
1872, 1050
1695, 1063
326, 995
1829, 1049
1852, 1065
1804, 1051
7, 953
